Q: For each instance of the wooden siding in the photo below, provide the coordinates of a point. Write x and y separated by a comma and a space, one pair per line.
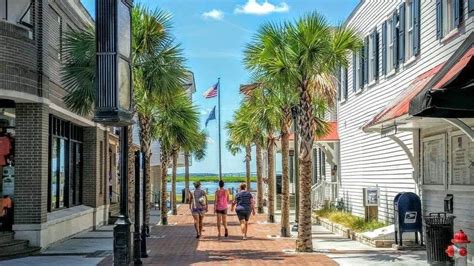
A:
367, 159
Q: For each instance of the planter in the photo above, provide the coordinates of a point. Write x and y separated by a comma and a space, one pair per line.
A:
380, 238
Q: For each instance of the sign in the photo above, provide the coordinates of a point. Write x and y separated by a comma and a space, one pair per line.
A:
8, 186
434, 160
462, 160
371, 196
410, 217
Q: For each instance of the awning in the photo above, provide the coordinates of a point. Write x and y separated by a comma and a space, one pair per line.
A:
331, 136
450, 94
398, 108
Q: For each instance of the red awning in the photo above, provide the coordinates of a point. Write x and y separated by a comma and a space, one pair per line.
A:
332, 135
455, 70
399, 106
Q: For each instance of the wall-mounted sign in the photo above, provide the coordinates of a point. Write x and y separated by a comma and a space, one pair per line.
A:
462, 160
434, 160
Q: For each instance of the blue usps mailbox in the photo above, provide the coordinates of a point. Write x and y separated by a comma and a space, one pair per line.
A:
407, 212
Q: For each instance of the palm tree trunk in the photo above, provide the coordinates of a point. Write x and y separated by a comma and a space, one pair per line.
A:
305, 120
186, 175
258, 154
145, 143
248, 158
285, 196
173, 182
271, 180
164, 177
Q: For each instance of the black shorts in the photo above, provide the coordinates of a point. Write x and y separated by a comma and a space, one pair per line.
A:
243, 215
221, 211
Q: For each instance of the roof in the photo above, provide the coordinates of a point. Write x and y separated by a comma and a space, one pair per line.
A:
332, 135
400, 105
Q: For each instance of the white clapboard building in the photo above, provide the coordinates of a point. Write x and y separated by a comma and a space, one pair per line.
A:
406, 45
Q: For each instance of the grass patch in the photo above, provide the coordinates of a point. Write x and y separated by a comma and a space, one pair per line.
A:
346, 219
232, 179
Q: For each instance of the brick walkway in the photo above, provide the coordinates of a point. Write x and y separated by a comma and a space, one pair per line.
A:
176, 244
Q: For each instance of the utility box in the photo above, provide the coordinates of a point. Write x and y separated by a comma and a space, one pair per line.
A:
407, 212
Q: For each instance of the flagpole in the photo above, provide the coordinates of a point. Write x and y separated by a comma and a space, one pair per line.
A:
219, 125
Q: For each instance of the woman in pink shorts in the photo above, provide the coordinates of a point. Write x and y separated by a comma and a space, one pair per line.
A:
221, 202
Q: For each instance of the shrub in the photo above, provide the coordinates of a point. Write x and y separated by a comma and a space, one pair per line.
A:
348, 220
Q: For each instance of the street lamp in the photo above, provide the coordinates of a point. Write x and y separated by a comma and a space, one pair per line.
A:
113, 105
294, 115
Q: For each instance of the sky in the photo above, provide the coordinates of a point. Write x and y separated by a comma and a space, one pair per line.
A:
213, 34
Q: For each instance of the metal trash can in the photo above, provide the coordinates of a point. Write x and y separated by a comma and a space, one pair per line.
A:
183, 195
439, 231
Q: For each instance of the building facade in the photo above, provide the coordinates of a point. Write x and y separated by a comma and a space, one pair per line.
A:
406, 43
61, 163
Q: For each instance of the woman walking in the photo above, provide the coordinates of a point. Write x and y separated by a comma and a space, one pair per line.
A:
245, 206
198, 206
221, 203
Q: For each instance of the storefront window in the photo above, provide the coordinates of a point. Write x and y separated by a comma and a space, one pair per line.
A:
66, 164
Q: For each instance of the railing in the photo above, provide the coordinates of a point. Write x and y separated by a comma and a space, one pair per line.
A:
323, 194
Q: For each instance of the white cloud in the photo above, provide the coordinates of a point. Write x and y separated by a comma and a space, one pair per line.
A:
254, 8
214, 14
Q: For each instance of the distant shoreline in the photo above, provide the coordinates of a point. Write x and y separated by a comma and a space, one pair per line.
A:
214, 178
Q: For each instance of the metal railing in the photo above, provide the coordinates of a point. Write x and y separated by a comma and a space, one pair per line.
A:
324, 193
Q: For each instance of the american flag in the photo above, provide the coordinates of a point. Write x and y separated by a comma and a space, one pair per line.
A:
212, 91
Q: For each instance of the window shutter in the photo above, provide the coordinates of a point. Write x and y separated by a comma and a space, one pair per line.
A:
439, 19
384, 48
395, 40
354, 71
361, 68
339, 91
401, 33
366, 60
376, 55
458, 12
416, 26
346, 83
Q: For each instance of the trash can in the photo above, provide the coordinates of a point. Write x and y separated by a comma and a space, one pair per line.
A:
439, 231
183, 195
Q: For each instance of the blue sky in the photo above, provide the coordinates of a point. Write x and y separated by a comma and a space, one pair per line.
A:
213, 34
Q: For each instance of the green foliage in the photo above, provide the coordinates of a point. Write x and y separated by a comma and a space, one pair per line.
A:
348, 220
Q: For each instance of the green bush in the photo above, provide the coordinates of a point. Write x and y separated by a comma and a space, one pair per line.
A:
348, 220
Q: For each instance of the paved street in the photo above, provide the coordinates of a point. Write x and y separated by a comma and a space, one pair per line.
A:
176, 244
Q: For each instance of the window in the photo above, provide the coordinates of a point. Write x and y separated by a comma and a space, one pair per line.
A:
372, 53
449, 15
409, 29
342, 86
65, 178
356, 72
55, 41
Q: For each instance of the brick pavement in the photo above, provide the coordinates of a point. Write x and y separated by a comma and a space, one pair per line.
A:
176, 244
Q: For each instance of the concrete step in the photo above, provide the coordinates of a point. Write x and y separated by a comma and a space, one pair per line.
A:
12, 247
6, 237
28, 251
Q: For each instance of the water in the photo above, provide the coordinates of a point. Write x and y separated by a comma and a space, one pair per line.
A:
210, 186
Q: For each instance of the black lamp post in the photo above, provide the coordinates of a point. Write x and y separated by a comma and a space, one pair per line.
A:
294, 115
113, 100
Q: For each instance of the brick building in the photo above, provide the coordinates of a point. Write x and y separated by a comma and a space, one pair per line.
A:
63, 165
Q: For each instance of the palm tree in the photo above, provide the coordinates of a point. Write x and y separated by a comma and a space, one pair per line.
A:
265, 116
158, 68
304, 54
199, 153
176, 126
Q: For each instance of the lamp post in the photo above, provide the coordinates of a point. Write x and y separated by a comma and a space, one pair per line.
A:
294, 115
113, 100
